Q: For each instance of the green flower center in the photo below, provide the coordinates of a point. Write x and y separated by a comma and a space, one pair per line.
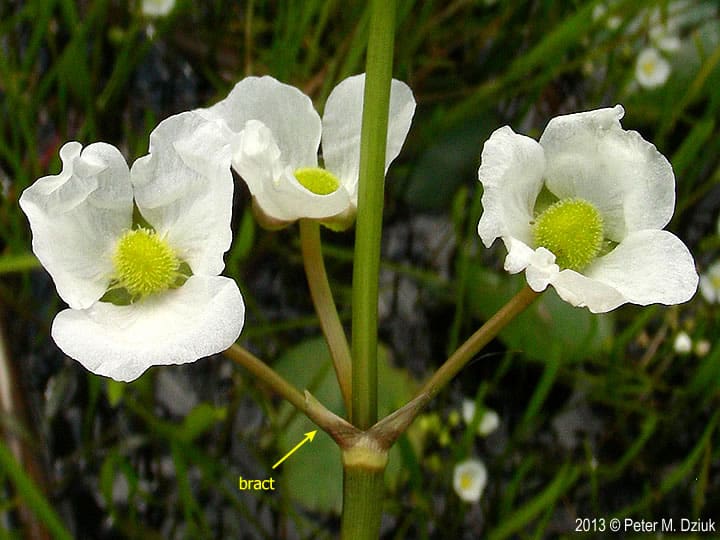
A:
144, 263
573, 230
317, 180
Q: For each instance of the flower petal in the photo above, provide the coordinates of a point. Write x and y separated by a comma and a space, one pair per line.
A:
582, 291
648, 267
590, 156
511, 174
203, 317
342, 123
539, 264
257, 159
285, 110
184, 188
76, 218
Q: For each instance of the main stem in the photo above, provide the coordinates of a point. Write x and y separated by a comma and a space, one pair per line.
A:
363, 483
366, 268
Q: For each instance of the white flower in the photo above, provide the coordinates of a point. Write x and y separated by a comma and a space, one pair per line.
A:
489, 421
702, 347
651, 69
469, 479
157, 8
682, 344
710, 283
583, 211
600, 12
277, 134
82, 223
665, 26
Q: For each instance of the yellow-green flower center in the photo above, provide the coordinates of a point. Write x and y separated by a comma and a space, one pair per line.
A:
573, 230
317, 180
466, 481
144, 263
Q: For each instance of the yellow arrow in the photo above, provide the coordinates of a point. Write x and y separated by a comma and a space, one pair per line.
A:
309, 436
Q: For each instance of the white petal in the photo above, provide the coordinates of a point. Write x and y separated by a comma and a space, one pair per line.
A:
258, 160
285, 110
184, 188
342, 123
648, 267
76, 218
203, 317
511, 173
590, 156
539, 264
581, 291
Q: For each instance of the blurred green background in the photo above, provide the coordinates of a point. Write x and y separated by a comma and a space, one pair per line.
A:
600, 416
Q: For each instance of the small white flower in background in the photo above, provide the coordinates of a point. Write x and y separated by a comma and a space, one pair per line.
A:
710, 283
651, 69
702, 347
664, 39
469, 479
600, 11
683, 344
665, 25
277, 134
489, 421
141, 292
583, 210
157, 8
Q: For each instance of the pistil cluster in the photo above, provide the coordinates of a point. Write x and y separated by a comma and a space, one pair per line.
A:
144, 263
573, 230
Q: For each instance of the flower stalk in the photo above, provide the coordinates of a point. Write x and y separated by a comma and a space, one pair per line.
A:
336, 427
387, 430
325, 307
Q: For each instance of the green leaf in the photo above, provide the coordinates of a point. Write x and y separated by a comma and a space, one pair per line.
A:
550, 329
115, 391
31, 495
313, 474
200, 420
447, 164
18, 263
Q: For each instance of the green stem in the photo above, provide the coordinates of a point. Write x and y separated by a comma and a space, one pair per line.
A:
376, 104
325, 307
363, 486
364, 464
362, 506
